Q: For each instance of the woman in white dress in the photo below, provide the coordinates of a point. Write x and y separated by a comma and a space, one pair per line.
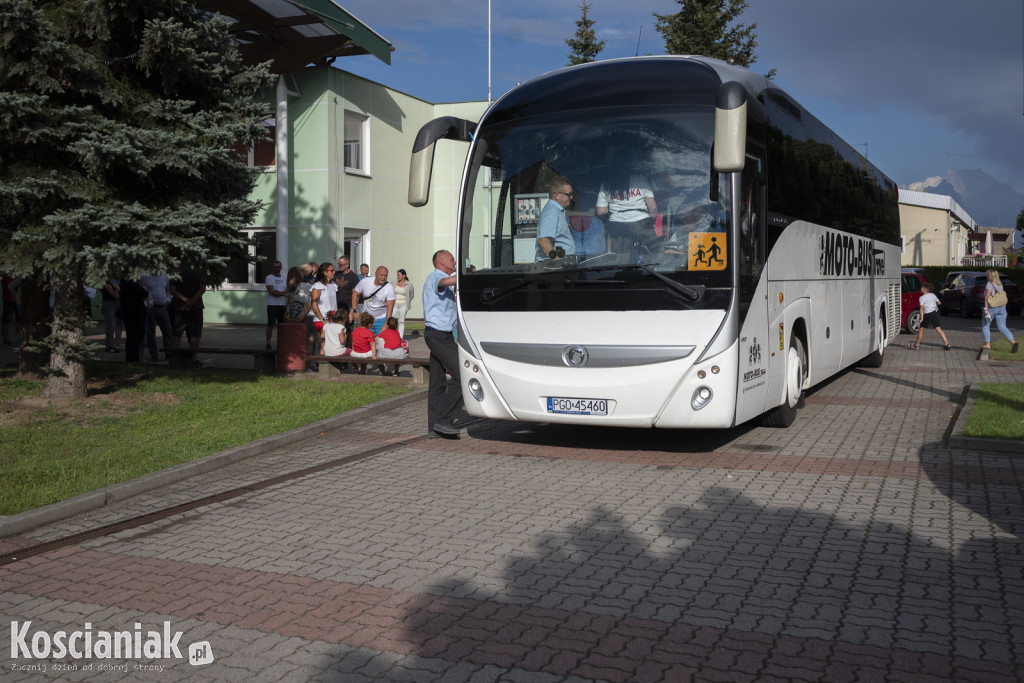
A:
405, 294
325, 294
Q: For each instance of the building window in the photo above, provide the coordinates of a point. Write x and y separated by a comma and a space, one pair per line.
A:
264, 154
242, 272
903, 244
357, 134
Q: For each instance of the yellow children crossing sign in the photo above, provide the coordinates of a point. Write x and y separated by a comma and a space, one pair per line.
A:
707, 251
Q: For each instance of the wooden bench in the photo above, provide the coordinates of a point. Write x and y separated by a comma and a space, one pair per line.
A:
330, 366
263, 362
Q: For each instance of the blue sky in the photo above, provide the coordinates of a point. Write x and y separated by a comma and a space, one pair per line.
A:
924, 86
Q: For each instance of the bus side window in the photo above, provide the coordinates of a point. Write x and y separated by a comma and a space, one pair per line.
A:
751, 226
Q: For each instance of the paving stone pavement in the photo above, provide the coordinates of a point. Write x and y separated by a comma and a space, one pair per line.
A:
852, 546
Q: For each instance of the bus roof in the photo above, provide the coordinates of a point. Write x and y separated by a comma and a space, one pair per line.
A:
660, 80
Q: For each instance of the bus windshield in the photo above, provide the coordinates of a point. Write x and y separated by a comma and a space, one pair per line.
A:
622, 195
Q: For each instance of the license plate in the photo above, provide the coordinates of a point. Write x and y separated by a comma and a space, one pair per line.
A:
577, 406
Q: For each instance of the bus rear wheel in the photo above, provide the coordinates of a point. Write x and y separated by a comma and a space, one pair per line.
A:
796, 372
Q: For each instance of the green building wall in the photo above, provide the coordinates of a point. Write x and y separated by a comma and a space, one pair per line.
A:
328, 204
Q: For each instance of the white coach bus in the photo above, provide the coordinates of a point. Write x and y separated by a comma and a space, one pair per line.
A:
765, 257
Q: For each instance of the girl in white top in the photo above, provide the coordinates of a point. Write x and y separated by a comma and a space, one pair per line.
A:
626, 204
334, 335
632, 203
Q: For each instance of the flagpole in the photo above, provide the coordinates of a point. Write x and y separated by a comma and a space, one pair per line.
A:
490, 185
488, 53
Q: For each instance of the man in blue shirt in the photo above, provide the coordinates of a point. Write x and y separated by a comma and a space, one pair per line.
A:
444, 400
158, 290
553, 229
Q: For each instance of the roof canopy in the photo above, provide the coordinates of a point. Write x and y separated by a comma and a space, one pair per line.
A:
293, 33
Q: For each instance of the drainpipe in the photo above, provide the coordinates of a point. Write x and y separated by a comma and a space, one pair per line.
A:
281, 144
949, 239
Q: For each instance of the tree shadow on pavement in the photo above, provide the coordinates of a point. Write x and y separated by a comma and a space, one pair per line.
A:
724, 585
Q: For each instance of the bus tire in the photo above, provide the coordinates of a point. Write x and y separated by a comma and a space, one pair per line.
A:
796, 372
875, 358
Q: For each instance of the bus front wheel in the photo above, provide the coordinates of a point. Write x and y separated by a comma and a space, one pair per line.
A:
796, 372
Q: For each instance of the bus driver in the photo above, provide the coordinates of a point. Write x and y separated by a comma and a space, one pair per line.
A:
553, 233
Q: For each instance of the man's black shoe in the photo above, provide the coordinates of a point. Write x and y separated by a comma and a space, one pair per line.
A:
446, 430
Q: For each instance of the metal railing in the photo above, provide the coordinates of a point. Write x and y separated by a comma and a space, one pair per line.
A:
984, 261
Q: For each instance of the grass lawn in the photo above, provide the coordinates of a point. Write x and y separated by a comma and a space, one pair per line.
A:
137, 420
998, 412
1001, 349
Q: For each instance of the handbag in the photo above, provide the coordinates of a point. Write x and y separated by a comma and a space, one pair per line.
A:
997, 299
295, 310
364, 298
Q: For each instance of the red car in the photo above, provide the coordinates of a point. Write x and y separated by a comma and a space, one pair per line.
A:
910, 295
965, 292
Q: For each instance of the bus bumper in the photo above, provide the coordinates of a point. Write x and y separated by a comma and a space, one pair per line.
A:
676, 394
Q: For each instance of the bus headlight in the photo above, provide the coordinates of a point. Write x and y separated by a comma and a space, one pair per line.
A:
475, 390
701, 397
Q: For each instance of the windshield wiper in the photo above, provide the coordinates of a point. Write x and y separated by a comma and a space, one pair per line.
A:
490, 294
690, 293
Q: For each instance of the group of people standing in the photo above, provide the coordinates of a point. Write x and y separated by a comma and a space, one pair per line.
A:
345, 313
355, 316
138, 307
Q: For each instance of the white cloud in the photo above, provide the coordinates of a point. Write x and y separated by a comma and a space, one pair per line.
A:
926, 184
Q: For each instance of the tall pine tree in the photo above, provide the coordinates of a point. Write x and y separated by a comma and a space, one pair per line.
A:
118, 120
584, 44
707, 27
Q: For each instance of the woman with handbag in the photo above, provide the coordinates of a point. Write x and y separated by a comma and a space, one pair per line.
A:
299, 308
995, 309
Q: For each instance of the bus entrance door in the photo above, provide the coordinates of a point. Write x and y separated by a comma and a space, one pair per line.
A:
754, 346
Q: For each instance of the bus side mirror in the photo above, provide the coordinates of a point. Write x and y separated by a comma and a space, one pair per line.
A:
420, 167
422, 162
730, 128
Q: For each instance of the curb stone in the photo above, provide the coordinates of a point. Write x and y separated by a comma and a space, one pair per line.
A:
93, 500
973, 443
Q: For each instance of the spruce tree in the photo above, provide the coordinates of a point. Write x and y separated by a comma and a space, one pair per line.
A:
707, 27
118, 120
584, 44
